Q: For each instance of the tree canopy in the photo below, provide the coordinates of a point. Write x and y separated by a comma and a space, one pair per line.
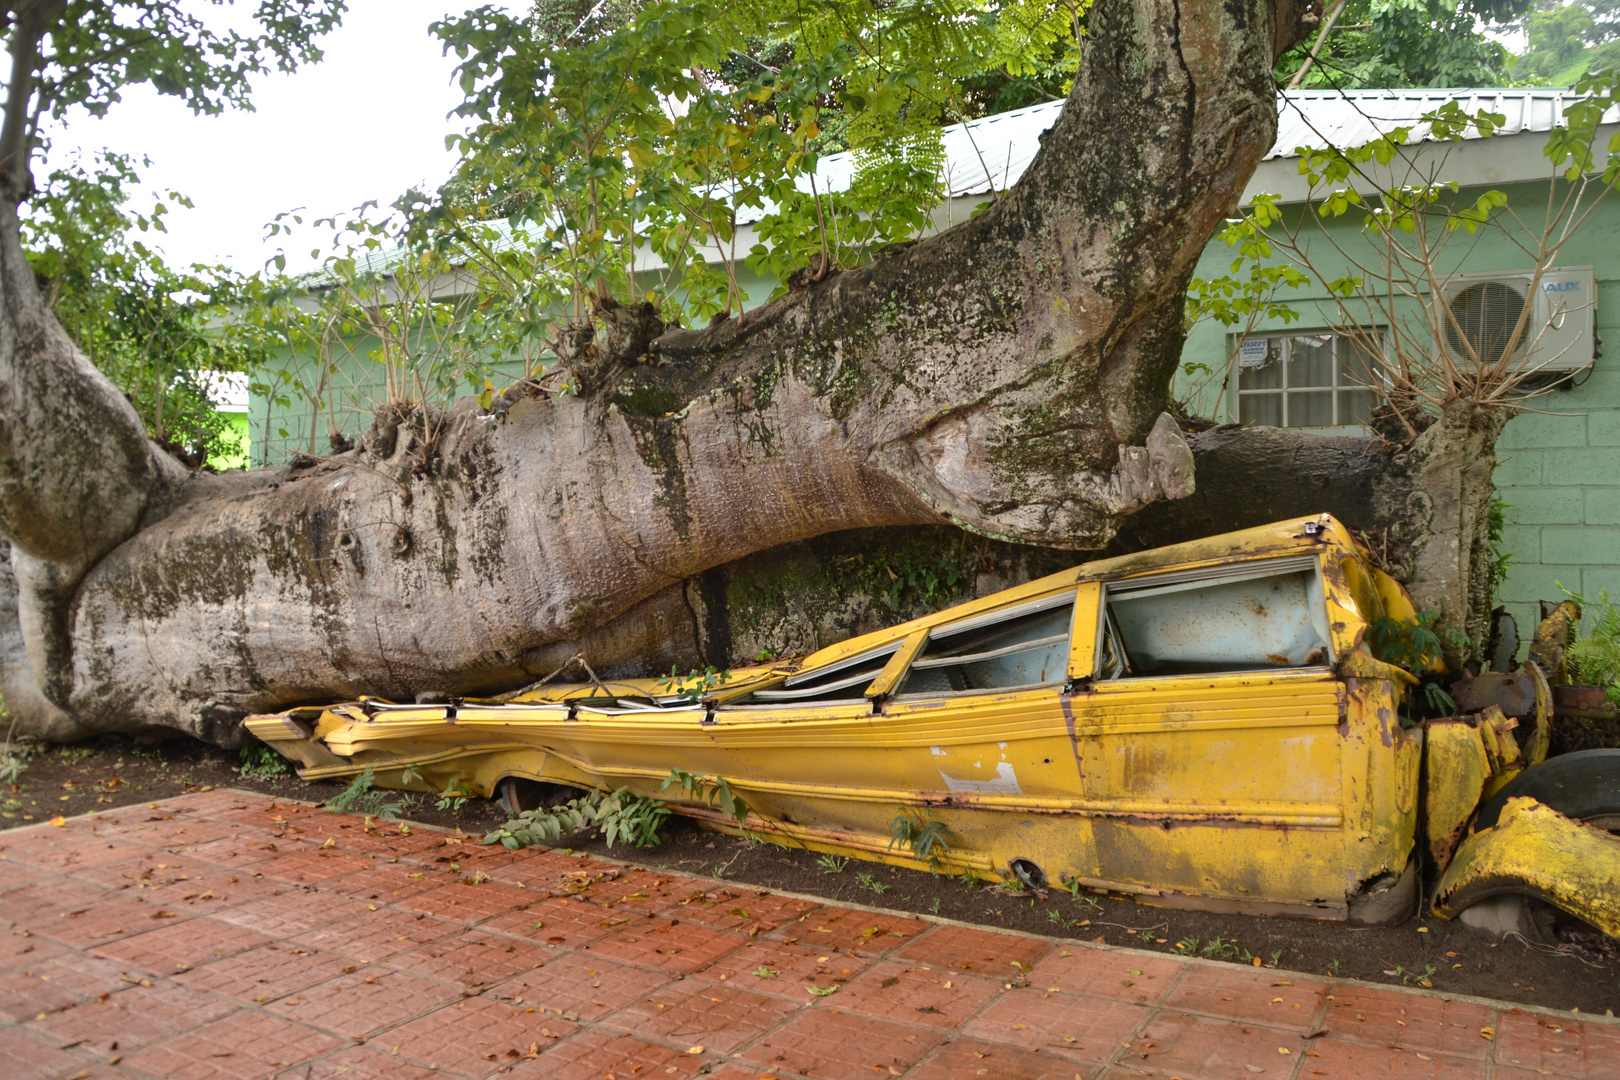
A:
1568, 39
1396, 43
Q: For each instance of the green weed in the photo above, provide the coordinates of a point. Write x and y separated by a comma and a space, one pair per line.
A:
455, 794
918, 831
832, 864
259, 762
359, 797
14, 759
871, 884
695, 685
622, 816
711, 790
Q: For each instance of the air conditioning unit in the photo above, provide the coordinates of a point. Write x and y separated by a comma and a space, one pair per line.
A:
1558, 335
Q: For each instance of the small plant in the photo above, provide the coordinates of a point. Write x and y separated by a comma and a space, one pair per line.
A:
710, 790
971, 879
1218, 948
1439, 700
871, 884
1500, 560
259, 762
832, 864
1413, 644
1423, 978
925, 837
1067, 924
622, 816
1276, 955
360, 797
695, 685
72, 755
1188, 945
454, 796
1333, 968
933, 909
14, 758
1594, 655
1087, 899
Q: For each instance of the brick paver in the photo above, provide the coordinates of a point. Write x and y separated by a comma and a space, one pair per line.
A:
124, 1022
581, 986
366, 1001
472, 959
227, 936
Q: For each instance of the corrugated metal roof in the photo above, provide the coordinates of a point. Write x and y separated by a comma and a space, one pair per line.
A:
1317, 118
982, 155
1002, 146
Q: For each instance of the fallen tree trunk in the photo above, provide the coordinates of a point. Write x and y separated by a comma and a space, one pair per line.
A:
1008, 377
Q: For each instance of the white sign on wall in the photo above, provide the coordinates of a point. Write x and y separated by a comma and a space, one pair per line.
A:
1252, 353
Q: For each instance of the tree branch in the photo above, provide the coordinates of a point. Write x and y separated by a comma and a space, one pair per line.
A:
29, 25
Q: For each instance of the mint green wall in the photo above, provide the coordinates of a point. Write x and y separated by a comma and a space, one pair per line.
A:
1560, 474
277, 431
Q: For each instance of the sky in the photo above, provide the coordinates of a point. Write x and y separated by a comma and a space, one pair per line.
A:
368, 122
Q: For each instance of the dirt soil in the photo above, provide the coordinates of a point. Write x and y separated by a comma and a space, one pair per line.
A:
1581, 974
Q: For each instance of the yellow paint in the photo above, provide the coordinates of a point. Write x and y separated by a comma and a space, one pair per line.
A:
1536, 851
895, 669
1275, 790
1085, 631
1455, 769
1536, 752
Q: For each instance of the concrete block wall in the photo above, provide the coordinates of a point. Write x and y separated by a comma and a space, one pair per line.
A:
1560, 476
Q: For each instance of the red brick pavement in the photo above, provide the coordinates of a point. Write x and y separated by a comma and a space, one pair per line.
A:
225, 936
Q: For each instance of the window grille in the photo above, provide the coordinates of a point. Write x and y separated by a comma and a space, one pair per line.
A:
1312, 380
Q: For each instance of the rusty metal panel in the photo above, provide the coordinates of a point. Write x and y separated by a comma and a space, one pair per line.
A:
1536, 851
1455, 770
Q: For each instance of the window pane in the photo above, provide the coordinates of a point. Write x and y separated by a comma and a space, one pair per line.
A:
1260, 409
1312, 362
1225, 626
1360, 360
1023, 651
1356, 406
1266, 375
1313, 409
845, 681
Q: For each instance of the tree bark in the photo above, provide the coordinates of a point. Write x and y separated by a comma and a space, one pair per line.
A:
1424, 504
1008, 376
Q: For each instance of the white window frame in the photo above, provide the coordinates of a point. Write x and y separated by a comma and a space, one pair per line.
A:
1340, 380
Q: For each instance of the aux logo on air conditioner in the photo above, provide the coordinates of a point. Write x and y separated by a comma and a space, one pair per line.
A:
1561, 286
